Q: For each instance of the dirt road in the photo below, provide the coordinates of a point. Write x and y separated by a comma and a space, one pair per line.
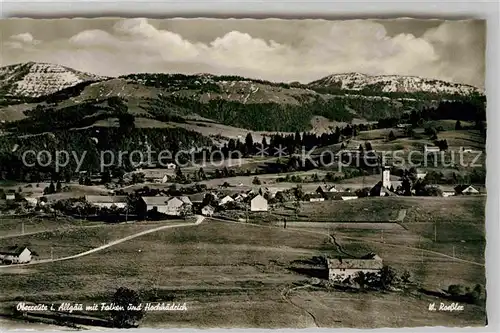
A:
199, 219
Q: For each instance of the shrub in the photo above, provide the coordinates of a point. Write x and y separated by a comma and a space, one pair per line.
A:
126, 318
456, 290
256, 181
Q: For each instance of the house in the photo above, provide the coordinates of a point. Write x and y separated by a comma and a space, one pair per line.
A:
174, 206
431, 149
326, 189
380, 191
207, 210
466, 150
171, 166
225, 200
447, 190
185, 199
16, 255
159, 175
197, 198
158, 204
10, 196
258, 204
421, 174
315, 197
169, 206
331, 188
165, 179
239, 197
105, 201
466, 190
340, 269
329, 195
348, 196
33, 202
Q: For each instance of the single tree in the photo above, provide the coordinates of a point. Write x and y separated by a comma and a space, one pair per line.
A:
360, 279
50, 189
105, 177
249, 143
458, 125
392, 137
387, 276
201, 174
127, 317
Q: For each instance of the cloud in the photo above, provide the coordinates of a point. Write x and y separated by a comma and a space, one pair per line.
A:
19, 41
450, 51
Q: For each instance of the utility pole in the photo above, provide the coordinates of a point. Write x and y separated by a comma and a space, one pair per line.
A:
247, 213
435, 233
453, 251
51, 253
22, 227
383, 236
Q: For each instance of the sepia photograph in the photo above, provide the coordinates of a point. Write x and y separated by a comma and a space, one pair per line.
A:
242, 173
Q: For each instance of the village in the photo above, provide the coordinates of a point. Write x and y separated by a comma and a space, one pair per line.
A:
158, 195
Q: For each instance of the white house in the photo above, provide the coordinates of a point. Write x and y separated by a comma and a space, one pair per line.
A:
16, 255
10, 196
421, 174
171, 166
185, 199
207, 210
105, 201
348, 196
431, 149
225, 200
339, 269
258, 204
238, 197
33, 202
466, 189
174, 206
331, 189
316, 197
165, 205
466, 150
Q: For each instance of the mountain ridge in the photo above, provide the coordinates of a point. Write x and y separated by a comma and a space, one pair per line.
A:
391, 83
35, 79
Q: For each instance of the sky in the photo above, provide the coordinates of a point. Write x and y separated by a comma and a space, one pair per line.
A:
270, 49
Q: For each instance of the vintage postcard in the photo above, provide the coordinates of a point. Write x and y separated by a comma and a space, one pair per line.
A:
242, 173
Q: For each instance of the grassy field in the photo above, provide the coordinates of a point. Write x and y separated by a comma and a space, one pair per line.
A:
10, 226
470, 209
67, 239
235, 275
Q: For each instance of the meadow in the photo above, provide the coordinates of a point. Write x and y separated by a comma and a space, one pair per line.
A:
238, 275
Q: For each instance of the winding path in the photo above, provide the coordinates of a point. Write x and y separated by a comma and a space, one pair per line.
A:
199, 219
284, 295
